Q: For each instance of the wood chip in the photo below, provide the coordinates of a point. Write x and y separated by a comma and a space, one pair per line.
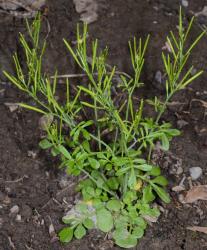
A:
196, 193
198, 229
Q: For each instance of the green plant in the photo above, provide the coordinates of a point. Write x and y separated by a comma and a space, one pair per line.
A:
107, 140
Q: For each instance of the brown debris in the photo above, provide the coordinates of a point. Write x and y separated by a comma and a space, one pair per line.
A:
196, 193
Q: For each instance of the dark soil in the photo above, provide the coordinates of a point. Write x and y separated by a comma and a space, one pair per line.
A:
30, 179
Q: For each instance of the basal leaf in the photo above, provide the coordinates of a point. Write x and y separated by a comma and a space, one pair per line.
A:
45, 144
165, 142
161, 193
161, 180
88, 223
128, 242
104, 220
155, 171
132, 179
114, 205
79, 232
138, 232
64, 151
94, 163
148, 196
66, 234
144, 167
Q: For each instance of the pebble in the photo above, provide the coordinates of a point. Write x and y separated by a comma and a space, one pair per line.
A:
195, 173
185, 3
14, 209
18, 217
179, 170
181, 123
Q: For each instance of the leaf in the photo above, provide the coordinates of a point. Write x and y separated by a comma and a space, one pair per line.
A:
79, 232
138, 232
114, 205
161, 180
113, 183
121, 221
173, 132
88, 223
104, 220
66, 234
86, 146
165, 142
198, 229
45, 144
127, 242
148, 196
196, 193
129, 196
64, 151
144, 167
94, 163
161, 193
155, 171
23, 105
140, 222
132, 179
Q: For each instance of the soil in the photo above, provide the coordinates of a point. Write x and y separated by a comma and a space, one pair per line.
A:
30, 179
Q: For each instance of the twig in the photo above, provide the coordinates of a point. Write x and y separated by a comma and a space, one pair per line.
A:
82, 75
17, 180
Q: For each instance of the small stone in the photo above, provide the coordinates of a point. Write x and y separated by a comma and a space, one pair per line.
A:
185, 3
14, 209
178, 189
195, 173
181, 123
18, 217
179, 170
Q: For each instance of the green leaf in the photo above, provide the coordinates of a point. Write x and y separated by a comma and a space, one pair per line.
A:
148, 196
64, 151
86, 146
132, 179
121, 221
54, 151
23, 105
140, 222
104, 220
138, 232
173, 132
114, 205
81, 207
127, 242
161, 180
79, 232
129, 196
155, 171
45, 144
94, 163
88, 223
161, 193
86, 134
165, 142
113, 183
144, 167
66, 234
